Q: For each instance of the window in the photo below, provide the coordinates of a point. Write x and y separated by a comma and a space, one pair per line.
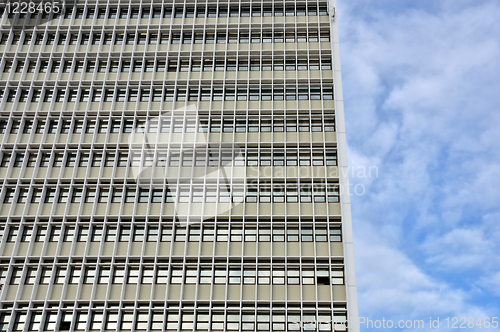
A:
181, 94
45, 275
89, 276
293, 276
143, 195
218, 95
30, 276
317, 158
75, 275
63, 195
251, 195
111, 232
306, 234
337, 275
333, 193
71, 160
96, 160
83, 233
126, 320
176, 277
50, 195
18, 161
321, 234
7, 66
335, 234
97, 233
77, 195
180, 234
11, 96
19, 66
133, 275
248, 322
212, 12
222, 233
265, 194
5, 159
125, 232
103, 195
15, 278
324, 36
81, 320
55, 233
134, 13
132, 95
164, 38
35, 321
292, 234
41, 234
101, 13
23, 97
3, 126
60, 275
249, 275
96, 319
156, 12
278, 276
20, 320
149, 65
9, 195
157, 195
35, 97
118, 275
139, 232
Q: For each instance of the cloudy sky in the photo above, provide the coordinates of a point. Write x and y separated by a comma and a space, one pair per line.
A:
422, 99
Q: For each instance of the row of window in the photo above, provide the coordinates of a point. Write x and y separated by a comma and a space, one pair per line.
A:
178, 274
171, 123
194, 233
264, 193
171, 320
264, 93
224, 36
169, 11
172, 65
199, 158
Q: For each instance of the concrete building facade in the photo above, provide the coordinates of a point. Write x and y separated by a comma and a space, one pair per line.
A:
175, 165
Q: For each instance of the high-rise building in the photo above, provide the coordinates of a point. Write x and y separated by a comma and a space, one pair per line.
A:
175, 165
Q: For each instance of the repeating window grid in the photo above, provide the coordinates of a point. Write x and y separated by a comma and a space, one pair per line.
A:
182, 64
330, 157
316, 192
313, 122
64, 193
153, 232
263, 14
127, 97
98, 33
226, 274
264, 275
248, 319
144, 13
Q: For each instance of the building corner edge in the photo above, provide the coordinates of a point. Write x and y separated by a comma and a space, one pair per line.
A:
347, 233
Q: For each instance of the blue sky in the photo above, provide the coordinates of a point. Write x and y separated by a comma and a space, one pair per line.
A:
422, 101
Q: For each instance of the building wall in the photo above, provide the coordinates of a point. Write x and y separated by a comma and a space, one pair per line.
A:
173, 166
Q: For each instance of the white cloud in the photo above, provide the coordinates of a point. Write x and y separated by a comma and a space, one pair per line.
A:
421, 95
460, 249
394, 287
492, 283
